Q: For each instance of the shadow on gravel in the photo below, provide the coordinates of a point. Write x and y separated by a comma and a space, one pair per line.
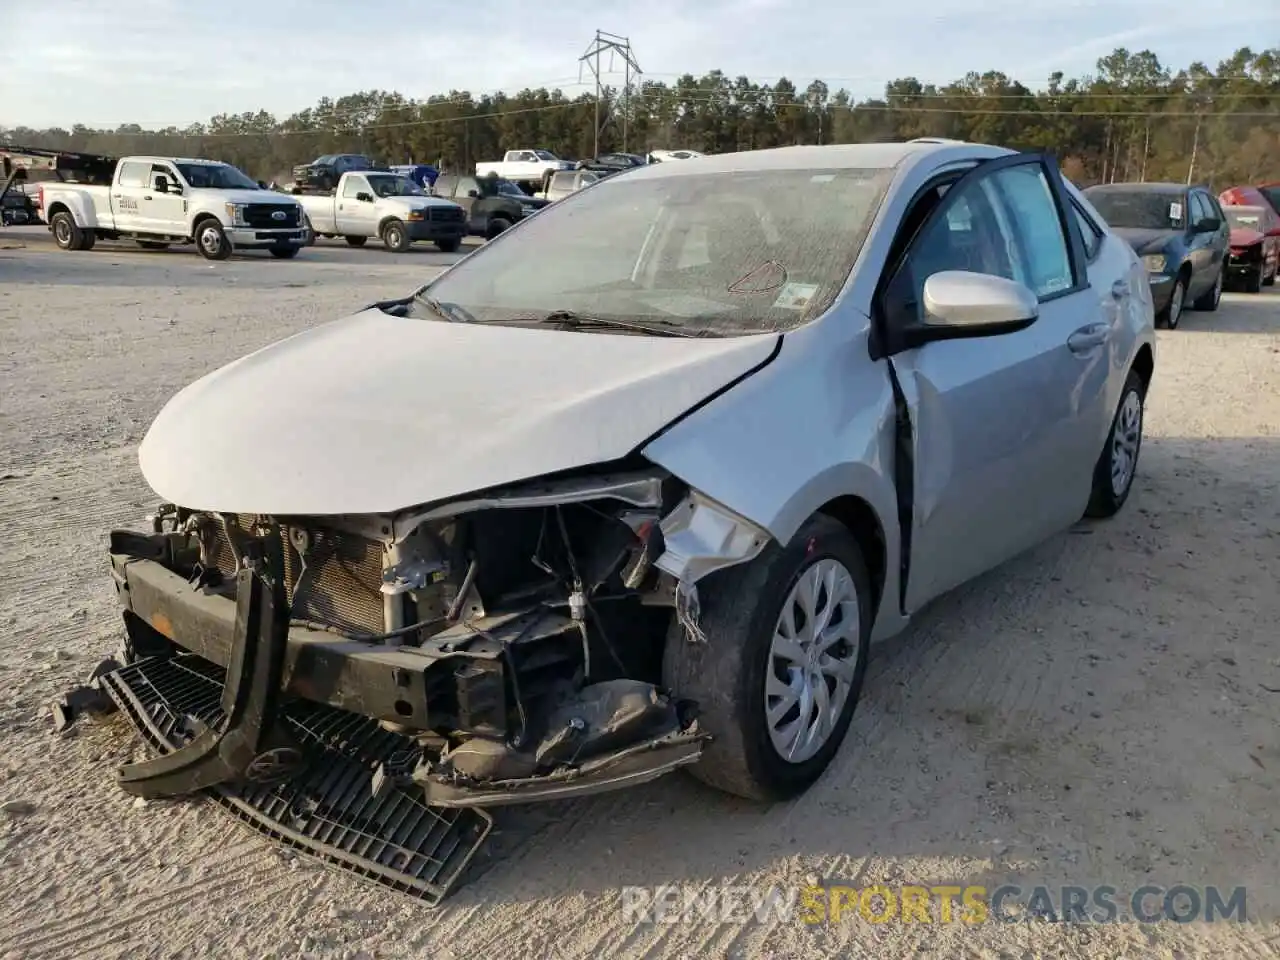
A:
1101, 709
1249, 313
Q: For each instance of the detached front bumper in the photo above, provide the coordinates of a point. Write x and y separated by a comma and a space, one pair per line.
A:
243, 238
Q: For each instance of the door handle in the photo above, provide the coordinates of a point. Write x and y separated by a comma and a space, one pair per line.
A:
1120, 289
1088, 338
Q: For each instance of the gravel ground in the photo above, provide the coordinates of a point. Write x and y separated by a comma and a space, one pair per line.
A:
1101, 710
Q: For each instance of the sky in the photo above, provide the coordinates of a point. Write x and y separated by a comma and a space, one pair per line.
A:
175, 62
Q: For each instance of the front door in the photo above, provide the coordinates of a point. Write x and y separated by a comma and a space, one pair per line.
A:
465, 193
1005, 429
356, 213
164, 213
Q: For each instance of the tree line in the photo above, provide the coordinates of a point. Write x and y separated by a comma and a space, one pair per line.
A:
1136, 118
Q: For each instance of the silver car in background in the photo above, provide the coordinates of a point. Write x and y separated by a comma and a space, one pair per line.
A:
635, 485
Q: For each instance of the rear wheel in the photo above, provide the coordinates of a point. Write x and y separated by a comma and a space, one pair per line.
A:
211, 240
66, 234
395, 237
1118, 464
778, 675
356, 241
496, 226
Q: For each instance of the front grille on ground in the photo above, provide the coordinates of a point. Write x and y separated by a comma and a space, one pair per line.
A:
328, 809
342, 586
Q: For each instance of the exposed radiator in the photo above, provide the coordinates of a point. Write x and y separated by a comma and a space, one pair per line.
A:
342, 582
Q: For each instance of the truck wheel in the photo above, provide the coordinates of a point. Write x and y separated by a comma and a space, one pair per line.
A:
779, 668
395, 237
355, 241
496, 226
284, 252
449, 246
66, 234
153, 245
211, 240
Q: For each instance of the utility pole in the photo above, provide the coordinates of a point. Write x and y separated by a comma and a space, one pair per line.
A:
1195, 148
612, 44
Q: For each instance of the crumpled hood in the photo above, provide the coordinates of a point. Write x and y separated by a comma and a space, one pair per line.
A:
1144, 240
376, 413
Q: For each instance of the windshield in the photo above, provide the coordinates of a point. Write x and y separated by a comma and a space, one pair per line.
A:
1244, 217
1140, 209
545, 155
215, 176
712, 254
391, 185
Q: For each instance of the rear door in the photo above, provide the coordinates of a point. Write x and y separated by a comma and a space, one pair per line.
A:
466, 192
1005, 429
132, 183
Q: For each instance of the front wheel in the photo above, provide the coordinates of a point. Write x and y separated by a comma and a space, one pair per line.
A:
211, 240
284, 253
395, 237
1253, 283
1210, 299
1118, 464
779, 668
1172, 313
448, 246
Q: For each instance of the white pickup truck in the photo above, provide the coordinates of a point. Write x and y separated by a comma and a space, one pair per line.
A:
524, 166
384, 205
159, 201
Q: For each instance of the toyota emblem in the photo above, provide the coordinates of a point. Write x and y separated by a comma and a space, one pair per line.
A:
279, 215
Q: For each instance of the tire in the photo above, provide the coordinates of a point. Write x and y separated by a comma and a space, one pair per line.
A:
355, 241
496, 226
284, 253
1172, 313
211, 240
449, 246
395, 237
1124, 438
153, 245
87, 239
311, 233
66, 234
1270, 279
1209, 300
1253, 283
726, 674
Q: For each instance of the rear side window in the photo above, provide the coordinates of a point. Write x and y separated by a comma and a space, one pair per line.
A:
1029, 197
134, 174
354, 185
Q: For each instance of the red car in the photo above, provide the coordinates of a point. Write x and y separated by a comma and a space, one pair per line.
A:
1266, 195
1254, 258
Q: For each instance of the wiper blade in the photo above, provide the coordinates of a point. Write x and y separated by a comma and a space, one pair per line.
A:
573, 320
435, 306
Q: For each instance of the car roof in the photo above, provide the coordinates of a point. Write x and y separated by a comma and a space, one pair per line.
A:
851, 156
1138, 188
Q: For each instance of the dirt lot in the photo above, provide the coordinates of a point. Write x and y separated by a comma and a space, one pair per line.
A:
1102, 710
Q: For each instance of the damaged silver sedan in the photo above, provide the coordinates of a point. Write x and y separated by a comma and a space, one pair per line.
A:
631, 488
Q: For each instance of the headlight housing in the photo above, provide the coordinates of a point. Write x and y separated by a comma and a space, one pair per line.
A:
235, 213
1154, 262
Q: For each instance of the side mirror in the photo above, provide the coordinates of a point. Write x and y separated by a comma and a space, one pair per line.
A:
161, 185
1208, 225
261, 185
962, 304
364, 197
473, 193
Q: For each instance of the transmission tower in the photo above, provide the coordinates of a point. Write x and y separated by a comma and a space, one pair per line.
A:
614, 46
